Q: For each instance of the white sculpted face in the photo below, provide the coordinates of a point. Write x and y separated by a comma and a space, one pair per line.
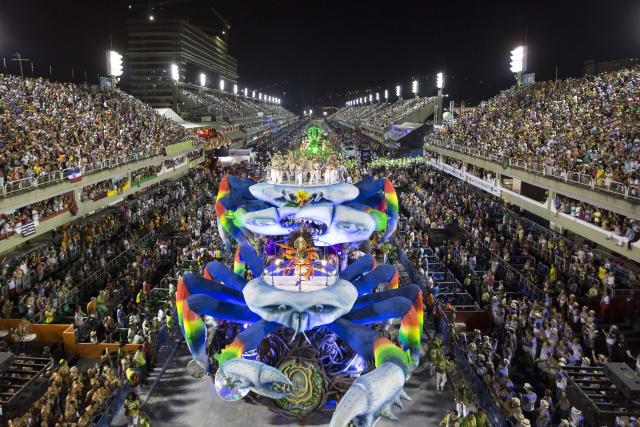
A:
300, 311
327, 224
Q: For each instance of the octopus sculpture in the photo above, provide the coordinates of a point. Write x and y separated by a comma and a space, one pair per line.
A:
339, 215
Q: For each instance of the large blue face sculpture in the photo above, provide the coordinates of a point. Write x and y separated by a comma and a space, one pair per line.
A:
330, 214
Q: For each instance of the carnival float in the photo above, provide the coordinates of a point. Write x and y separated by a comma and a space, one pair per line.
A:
294, 321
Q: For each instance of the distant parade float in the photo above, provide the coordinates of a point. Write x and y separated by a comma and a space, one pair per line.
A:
292, 321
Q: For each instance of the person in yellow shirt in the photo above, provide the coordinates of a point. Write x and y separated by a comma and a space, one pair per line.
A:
49, 314
91, 307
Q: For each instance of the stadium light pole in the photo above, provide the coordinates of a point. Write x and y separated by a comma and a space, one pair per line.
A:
175, 73
414, 88
203, 79
386, 95
518, 62
399, 91
114, 65
440, 82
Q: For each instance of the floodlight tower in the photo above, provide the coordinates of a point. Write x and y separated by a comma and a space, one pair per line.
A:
399, 91
440, 83
114, 66
518, 62
414, 88
386, 95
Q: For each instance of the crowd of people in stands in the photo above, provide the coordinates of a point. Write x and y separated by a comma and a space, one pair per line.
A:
75, 396
396, 112
11, 222
230, 107
380, 115
127, 308
588, 125
538, 335
101, 189
47, 126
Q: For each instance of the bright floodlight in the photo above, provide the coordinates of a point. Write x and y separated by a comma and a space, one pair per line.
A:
386, 94
370, 97
377, 96
260, 96
221, 84
175, 72
246, 91
518, 59
114, 63
305, 112
310, 112
203, 79
414, 87
253, 94
440, 80
398, 91
235, 89
324, 113
151, 18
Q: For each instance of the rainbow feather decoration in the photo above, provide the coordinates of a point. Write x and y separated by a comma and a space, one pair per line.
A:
391, 201
410, 332
386, 351
192, 325
226, 226
232, 351
395, 280
419, 308
239, 266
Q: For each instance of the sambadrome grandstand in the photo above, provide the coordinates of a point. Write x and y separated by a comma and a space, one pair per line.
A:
178, 248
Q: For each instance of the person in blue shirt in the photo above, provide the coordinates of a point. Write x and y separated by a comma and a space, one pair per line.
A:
529, 399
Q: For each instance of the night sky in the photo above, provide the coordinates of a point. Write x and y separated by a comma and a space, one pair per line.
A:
316, 52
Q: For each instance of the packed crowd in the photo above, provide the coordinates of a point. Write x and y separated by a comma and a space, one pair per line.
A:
134, 270
396, 112
146, 172
47, 126
11, 222
623, 229
524, 359
101, 189
231, 107
588, 125
440, 202
74, 396
380, 115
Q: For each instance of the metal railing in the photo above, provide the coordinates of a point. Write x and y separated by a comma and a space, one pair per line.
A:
57, 176
603, 185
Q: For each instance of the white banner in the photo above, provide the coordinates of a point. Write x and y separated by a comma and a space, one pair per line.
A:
471, 179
